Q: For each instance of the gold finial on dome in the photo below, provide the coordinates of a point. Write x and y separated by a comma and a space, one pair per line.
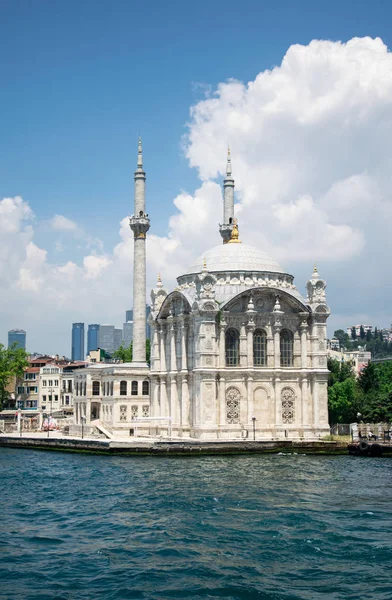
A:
159, 278
234, 239
315, 268
205, 263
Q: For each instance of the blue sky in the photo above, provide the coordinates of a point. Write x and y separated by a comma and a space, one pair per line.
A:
80, 81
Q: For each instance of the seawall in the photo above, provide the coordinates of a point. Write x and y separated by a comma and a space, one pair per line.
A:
173, 448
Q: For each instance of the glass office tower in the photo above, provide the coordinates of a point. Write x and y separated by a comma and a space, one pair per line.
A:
77, 341
17, 336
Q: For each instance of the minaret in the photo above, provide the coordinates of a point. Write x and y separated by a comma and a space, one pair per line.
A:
140, 224
228, 202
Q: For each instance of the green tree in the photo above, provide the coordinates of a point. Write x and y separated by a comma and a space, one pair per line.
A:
368, 335
353, 333
343, 401
343, 392
343, 338
362, 333
123, 353
13, 362
375, 382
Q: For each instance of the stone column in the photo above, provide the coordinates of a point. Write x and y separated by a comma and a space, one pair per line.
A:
278, 401
163, 394
304, 400
243, 347
222, 353
185, 417
173, 353
249, 343
162, 352
250, 401
277, 346
174, 400
315, 403
155, 412
304, 344
222, 401
184, 358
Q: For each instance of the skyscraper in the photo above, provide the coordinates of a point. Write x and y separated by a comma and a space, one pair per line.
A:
17, 336
92, 337
129, 319
106, 338
117, 338
77, 341
127, 334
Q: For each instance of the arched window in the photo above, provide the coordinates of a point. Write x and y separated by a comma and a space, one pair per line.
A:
96, 388
286, 348
77, 388
145, 388
84, 387
134, 388
259, 348
232, 347
111, 388
123, 388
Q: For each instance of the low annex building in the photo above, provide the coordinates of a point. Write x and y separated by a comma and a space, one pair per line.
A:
236, 350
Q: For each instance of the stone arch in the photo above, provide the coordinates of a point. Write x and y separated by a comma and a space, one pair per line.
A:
262, 407
233, 405
288, 405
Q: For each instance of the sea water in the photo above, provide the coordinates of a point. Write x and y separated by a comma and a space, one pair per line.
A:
269, 527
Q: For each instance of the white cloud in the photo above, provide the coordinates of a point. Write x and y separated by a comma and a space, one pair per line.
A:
61, 223
310, 144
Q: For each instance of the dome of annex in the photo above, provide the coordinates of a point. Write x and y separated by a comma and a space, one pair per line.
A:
235, 257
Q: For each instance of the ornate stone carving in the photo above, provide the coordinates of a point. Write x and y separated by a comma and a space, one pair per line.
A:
233, 399
139, 225
288, 405
123, 412
134, 411
145, 410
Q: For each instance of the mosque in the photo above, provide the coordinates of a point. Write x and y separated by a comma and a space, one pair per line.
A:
236, 351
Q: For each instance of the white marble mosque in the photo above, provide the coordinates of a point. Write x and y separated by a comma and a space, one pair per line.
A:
236, 351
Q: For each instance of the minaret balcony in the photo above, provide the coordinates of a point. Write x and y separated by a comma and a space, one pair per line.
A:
225, 231
139, 225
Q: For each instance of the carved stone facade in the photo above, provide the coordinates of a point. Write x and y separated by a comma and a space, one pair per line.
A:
234, 345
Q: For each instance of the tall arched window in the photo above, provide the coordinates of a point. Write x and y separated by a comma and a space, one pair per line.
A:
145, 388
134, 388
286, 348
123, 388
96, 387
111, 388
259, 348
232, 347
77, 388
84, 388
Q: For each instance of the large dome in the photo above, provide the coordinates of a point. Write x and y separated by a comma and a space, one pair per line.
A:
235, 257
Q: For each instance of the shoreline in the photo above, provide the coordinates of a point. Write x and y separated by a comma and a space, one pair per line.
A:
178, 447
172, 447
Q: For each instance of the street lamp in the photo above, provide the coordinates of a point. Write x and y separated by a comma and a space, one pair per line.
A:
254, 427
83, 420
50, 399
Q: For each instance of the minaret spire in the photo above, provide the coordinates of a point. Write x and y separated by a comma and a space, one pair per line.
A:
228, 164
228, 202
140, 224
139, 155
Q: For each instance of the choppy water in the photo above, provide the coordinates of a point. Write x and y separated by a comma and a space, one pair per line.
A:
264, 527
